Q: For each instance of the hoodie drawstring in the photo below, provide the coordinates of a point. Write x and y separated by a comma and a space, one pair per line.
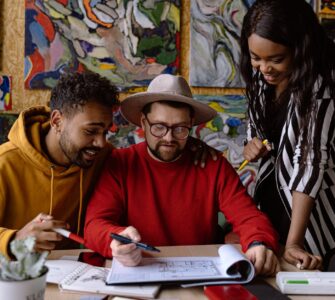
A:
80, 201
80, 196
51, 189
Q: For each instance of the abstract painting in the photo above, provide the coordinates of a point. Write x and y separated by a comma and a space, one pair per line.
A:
215, 49
123, 134
5, 92
214, 46
248, 177
2, 25
128, 42
227, 132
327, 6
6, 122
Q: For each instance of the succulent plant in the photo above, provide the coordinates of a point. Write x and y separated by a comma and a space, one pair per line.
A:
28, 264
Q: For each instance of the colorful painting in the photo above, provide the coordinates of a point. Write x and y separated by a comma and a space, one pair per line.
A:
227, 132
215, 49
5, 92
327, 6
329, 26
248, 177
214, 46
128, 42
6, 122
123, 134
2, 25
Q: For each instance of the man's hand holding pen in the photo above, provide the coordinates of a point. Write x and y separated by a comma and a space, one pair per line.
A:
128, 254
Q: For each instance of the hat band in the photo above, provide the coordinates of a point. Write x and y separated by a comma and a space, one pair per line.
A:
189, 95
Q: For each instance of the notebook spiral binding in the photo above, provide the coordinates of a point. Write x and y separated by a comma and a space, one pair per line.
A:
73, 276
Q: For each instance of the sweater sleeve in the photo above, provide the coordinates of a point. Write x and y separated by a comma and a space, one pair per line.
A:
6, 234
308, 178
239, 209
105, 211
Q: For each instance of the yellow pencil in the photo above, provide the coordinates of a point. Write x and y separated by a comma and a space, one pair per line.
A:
245, 162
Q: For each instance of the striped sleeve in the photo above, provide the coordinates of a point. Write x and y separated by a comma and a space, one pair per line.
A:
308, 179
251, 131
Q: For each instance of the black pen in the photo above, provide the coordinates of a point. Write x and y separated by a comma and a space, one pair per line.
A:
125, 240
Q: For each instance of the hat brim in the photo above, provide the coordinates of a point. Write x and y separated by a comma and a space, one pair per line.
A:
132, 106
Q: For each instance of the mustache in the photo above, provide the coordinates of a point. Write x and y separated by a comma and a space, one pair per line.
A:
164, 143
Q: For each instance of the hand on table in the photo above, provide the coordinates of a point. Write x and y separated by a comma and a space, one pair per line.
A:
265, 260
296, 255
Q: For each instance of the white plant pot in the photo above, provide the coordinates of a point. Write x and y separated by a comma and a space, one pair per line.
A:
31, 289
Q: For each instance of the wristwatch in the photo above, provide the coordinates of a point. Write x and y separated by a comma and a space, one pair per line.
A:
258, 243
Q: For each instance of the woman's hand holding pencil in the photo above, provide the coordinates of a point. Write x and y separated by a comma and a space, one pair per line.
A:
255, 149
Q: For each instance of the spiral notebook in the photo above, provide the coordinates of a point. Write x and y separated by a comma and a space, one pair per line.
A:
81, 277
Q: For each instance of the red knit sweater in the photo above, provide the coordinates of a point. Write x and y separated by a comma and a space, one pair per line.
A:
173, 203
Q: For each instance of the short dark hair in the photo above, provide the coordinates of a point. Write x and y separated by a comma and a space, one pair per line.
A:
75, 89
147, 108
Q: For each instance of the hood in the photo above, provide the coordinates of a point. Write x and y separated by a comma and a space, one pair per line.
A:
28, 134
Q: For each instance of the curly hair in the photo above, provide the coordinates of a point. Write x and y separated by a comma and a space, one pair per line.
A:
75, 89
294, 25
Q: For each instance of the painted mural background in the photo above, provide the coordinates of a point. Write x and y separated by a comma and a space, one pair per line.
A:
215, 51
214, 43
128, 42
6, 122
5, 92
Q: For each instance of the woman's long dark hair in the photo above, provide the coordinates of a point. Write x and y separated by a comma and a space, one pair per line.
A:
291, 23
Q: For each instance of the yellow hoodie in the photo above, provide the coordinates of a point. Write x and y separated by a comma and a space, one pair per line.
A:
30, 183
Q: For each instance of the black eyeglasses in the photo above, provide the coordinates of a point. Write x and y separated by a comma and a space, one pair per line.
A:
178, 132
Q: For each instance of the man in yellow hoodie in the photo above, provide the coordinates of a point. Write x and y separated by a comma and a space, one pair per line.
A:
52, 160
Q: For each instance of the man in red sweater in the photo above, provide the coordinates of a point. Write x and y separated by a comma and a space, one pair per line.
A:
153, 192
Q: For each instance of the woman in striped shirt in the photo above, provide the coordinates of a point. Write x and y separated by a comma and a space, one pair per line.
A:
288, 64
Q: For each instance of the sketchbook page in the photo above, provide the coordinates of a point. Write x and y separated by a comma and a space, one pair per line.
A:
87, 278
169, 269
234, 262
58, 269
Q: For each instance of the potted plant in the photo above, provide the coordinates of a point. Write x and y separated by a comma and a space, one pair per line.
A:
25, 277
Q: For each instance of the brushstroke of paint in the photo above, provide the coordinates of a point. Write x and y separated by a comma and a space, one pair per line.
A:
128, 42
5, 92
215, 49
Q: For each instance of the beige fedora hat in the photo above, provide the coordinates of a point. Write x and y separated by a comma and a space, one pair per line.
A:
165, 87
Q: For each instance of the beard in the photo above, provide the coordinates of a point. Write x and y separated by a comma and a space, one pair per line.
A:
166, 156
74, 154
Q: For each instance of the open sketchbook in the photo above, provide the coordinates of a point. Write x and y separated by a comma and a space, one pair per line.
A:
81, 277
231, 266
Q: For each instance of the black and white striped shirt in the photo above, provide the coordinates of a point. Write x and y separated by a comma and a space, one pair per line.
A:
316, 179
